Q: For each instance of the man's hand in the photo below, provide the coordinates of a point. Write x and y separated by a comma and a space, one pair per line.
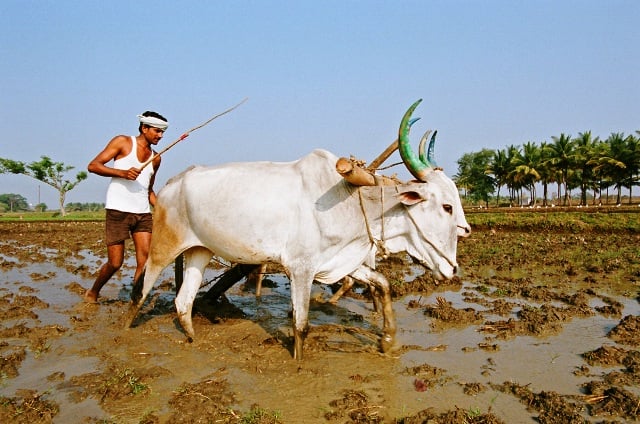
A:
132, 173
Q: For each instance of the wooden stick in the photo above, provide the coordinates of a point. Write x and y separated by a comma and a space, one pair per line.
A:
383, 156
186, 134
388, 151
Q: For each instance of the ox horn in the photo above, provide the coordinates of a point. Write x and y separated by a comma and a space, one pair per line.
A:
428, 159
414, 164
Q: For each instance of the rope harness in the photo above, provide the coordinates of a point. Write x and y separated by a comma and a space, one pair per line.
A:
380, 243
424, 236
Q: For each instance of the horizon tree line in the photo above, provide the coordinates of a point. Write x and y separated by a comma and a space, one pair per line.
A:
584, 162
13, 202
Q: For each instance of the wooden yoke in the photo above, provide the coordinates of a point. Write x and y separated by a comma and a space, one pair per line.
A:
354, 174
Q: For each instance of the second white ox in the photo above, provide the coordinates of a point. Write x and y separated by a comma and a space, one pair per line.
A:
307, 218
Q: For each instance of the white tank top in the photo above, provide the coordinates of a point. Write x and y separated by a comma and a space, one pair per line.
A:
127, 195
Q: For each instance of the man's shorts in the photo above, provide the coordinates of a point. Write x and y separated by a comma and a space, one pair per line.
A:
119, 225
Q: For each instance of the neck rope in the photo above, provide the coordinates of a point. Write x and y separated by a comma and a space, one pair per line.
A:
380, 243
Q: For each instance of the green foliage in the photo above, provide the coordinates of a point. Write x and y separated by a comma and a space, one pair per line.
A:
75, 206
584, 162
45, 170
556, 221
258, 415
48, 216
472, 176
13, 202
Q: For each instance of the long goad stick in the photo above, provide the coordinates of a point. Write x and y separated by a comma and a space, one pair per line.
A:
186, 134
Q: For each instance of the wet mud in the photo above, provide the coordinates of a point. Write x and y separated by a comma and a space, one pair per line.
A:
542, 327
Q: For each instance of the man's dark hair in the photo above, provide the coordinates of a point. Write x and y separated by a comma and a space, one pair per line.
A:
152, 115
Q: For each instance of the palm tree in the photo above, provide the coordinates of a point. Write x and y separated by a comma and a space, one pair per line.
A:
546, 171
585, 149
632, 163
499, 167
609, 163
561, 156
512, 186
463, 177
525, 169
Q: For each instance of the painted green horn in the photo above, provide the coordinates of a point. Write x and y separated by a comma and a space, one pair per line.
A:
413, 163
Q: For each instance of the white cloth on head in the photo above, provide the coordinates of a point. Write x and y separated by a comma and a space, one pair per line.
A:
154, 122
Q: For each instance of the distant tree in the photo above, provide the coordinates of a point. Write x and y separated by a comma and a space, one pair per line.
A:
73, 207
499, 167
632, 163
546, 171
40, 207
612, 162
47, 171
76, 206
473, 177
513, 152
561, 154
586, 147
526, 172
14, 202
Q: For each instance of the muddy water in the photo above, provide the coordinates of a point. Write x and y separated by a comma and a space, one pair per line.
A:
543, 363
78, 357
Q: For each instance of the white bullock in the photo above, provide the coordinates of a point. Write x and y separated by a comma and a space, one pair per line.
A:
306, 217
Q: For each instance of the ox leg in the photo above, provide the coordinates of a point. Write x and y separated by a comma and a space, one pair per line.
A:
382, 295
377, 304
347, 283
228, 279
196, 260
141, 288
256, 276
300, 296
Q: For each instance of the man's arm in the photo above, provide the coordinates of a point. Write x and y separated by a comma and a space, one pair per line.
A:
156, 166
114, 148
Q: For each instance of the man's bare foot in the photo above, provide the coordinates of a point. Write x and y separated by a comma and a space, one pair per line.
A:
90, 296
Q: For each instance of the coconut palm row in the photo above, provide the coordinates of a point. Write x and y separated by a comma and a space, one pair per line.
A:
585, 163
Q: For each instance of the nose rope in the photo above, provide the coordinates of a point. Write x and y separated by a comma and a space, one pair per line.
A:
379, 243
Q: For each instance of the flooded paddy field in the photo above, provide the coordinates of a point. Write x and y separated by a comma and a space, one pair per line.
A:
541, 327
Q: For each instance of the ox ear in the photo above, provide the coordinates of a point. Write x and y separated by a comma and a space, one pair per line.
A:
410, 198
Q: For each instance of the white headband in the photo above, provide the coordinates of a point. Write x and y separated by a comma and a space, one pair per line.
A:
153, 122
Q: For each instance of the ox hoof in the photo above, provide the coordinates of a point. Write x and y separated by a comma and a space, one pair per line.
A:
130, 316
387, 343
189, 339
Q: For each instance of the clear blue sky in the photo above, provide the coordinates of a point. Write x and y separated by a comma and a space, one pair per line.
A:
335, 74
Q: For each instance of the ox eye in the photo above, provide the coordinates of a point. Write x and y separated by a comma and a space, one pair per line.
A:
448, 208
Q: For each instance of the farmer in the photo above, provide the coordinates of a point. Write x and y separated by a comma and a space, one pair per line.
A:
129, 196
